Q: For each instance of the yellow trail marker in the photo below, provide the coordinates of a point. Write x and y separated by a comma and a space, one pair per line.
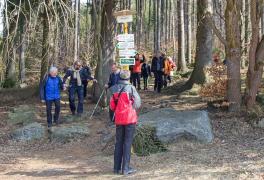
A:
125, 67
126, 28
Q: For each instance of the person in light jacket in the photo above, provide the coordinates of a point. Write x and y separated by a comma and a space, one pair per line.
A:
124, 102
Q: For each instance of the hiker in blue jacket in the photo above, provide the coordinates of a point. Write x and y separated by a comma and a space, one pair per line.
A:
77, 75
50, 88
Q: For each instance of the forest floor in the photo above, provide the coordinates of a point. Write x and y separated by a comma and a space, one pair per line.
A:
236, 152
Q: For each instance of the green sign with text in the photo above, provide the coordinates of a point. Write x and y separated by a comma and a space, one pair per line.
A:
127, 61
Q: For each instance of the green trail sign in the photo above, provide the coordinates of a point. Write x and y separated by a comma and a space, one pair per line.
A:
127, 61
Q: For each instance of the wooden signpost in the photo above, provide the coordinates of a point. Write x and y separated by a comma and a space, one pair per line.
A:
126, 42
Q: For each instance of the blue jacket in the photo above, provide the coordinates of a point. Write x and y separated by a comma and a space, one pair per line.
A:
83, 73
113, 79
50, 88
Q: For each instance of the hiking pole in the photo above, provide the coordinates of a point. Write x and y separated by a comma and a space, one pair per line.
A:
97, 104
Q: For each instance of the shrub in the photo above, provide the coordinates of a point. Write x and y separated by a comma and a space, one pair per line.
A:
217, 87
9, 83
146, 142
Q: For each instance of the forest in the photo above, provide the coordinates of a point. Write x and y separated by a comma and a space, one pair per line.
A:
37, 34
216, 45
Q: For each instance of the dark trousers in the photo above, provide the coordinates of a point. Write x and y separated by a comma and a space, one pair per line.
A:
72, 91
85, 84
145, 80
111, 115
169, 78
136, 80
158, 81
165, 82
124, 139
49, 110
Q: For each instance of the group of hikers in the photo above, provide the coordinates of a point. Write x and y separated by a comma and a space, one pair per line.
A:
161, 66
124, 101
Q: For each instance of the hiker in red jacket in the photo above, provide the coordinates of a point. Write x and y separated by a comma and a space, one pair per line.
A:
124, 102
136, 72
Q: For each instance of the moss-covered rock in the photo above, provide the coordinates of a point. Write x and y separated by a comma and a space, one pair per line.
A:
66, 133
22, 115
33, 131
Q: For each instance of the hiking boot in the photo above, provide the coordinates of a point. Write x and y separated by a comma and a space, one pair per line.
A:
117, 172
56, 122
129, 171
79, 115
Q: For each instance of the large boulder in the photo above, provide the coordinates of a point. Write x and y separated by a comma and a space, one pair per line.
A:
33, 131
171, 124
22, 115
65, 133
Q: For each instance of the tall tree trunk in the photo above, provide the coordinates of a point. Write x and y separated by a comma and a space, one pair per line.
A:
189, 35
204, 39
194, 25
77, 30
149, 23
11, 66
262, 21
45, 43
256, 55
169, 37
161, 24
155, 26
22, 69
243, 32
104, 30
233, 53
174, 17
167, 11
181, 38
158, 26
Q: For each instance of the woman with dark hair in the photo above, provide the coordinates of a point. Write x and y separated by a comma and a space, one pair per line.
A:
145, 72
136, 72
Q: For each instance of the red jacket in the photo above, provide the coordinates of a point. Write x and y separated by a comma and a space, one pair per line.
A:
137, 67
125, 114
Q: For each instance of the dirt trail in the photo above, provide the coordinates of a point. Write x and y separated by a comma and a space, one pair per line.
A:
236, 153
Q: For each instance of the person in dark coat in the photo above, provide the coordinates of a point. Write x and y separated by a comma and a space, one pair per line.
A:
113, 80
157, 67
50, 88
77, 75
145, 73
85, 81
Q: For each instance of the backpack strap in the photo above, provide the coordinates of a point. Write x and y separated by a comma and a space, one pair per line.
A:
131, 95
116, 100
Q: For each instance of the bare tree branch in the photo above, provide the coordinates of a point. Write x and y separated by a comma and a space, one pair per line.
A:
215, 29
